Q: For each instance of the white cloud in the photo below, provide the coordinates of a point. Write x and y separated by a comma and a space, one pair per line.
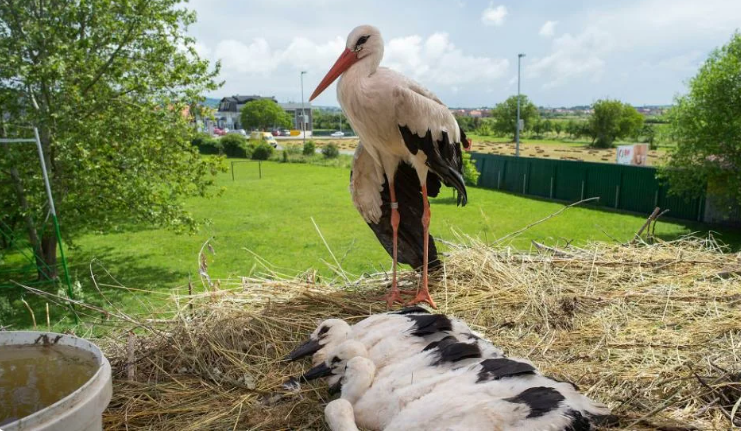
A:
435, 60
494, 16
260, 59
579, 56
548, 29
438, 61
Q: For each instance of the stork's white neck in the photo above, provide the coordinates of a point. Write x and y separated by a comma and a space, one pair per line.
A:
358, 378
365, 67
340, 416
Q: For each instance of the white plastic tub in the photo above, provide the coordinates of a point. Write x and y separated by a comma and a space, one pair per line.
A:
80, 410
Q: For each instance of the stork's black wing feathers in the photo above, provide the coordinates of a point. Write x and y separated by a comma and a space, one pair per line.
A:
443, 158
411, 233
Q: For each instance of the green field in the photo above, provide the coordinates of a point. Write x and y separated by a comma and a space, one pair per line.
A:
272, 218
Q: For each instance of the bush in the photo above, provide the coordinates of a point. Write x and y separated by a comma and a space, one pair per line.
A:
330, 151
262, 152
201, 139
483, 130
293, 150
236, 146
309, 148
206, 144
470, 173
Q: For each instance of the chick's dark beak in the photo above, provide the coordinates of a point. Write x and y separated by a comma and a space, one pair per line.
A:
318, 371
305, 349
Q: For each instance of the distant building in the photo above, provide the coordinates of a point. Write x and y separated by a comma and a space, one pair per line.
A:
228, 114
294, 110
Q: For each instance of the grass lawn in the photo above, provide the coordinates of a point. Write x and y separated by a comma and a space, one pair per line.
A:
272, 218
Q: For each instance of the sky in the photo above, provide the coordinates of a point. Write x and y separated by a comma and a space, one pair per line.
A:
465, 51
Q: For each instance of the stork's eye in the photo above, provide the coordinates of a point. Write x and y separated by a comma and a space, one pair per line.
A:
360, 42
335, 360
323, 330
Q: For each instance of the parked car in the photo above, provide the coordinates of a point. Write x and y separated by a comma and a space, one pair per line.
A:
337, 134
263, 137
285, 132
239, 132
219, 132
276, 133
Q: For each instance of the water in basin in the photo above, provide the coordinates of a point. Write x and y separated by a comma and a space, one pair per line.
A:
32, 377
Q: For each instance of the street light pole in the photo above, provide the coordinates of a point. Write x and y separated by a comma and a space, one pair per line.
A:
517, 125
303, 110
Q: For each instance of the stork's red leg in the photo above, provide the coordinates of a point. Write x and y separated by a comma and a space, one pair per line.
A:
394, 296
423, 294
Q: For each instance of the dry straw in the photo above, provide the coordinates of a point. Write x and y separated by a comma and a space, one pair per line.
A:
653, 330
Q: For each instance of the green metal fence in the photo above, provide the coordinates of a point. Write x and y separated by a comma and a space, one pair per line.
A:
621, 187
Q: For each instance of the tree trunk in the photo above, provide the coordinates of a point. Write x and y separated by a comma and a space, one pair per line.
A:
49, 254
33, 235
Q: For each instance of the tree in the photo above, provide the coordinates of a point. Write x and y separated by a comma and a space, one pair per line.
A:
108, 85
611, 120
557, 127
264, 114
573, 129
649, 135
547, 126
538, 128
706, 124
505, 115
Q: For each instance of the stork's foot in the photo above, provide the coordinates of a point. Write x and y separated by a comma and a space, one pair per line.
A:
423, 295
393, 297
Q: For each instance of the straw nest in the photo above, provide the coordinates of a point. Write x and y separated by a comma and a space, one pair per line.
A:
654, 331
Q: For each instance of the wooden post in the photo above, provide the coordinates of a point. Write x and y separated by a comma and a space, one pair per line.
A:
582, 189
499, 179
656, 198
259, 168
232, 170
551, 187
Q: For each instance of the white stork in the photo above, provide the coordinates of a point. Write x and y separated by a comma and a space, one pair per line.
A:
398, 121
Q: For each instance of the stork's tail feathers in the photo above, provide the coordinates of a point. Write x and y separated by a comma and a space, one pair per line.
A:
443, 158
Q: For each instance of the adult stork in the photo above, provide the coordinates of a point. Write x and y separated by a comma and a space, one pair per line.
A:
398, 121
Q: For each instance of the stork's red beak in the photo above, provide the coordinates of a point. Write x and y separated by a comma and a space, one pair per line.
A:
347, 59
